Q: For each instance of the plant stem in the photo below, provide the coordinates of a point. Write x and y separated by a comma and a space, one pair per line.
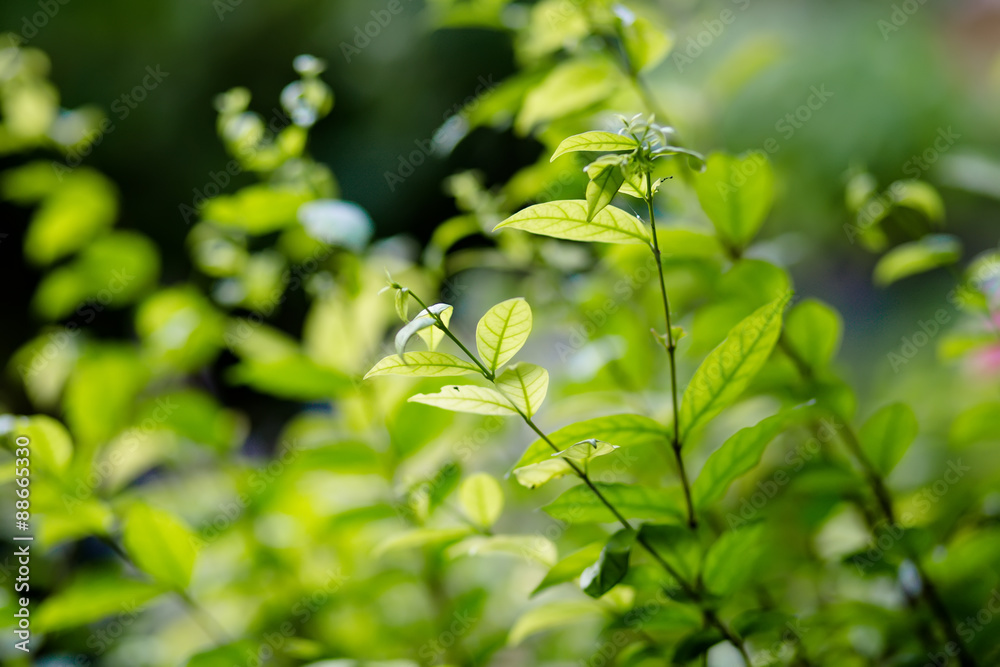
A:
688, 589
487, 373
883, 498
672, 354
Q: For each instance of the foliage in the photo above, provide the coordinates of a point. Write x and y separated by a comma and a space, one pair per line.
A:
716, 490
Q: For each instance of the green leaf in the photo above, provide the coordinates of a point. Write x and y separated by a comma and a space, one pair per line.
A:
422, 364
580, 504
92, 597
611, 566
295, 377
572, 86
727, 371
160, 545
550, 616
535, 474
568, 220
645, 44
978, 424
50, 447
423, 320
919, 196
468, 398
433, 336
624, 430
525, 385
887, 435
813, 329
257, 209
909, 259
502, 331
595, 141
602, 188
482, 499
419, 538
739, 455
570, 567
733, 559
586, 450
736, 193
695, 644
530, 547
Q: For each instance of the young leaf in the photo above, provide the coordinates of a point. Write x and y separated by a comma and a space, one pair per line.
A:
569, 568
727, 371
468, 398
550, 616
525, 385
611, 566
502, 331
482, 499
739, 455
736, 193
887, 435
813, 329
601, 142
568, 220
580, 504
422, 364
915, 257
433, 336
534, 475
586, 450
410, 329
160, 545
602, 188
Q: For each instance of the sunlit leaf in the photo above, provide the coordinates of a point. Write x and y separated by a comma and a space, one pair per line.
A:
160, 545
727, 371
909, 259
623, 430
468, 398
525, 385
568, 220
502, 331
423, 364
595, 141
571, 86
602, 188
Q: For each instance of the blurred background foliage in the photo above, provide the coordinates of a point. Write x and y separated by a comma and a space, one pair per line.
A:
279, 483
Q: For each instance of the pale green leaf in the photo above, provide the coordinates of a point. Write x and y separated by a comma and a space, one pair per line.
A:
422, 364
468, 398
887, 435
568, 220
909, 259
525, 385
502, 331
482, 499
530, 547
420, 538
595, 141
602, 188
550, 616
624, 430
535, 474
728, 369
433, 336
160, 545
92, 597
423, 320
